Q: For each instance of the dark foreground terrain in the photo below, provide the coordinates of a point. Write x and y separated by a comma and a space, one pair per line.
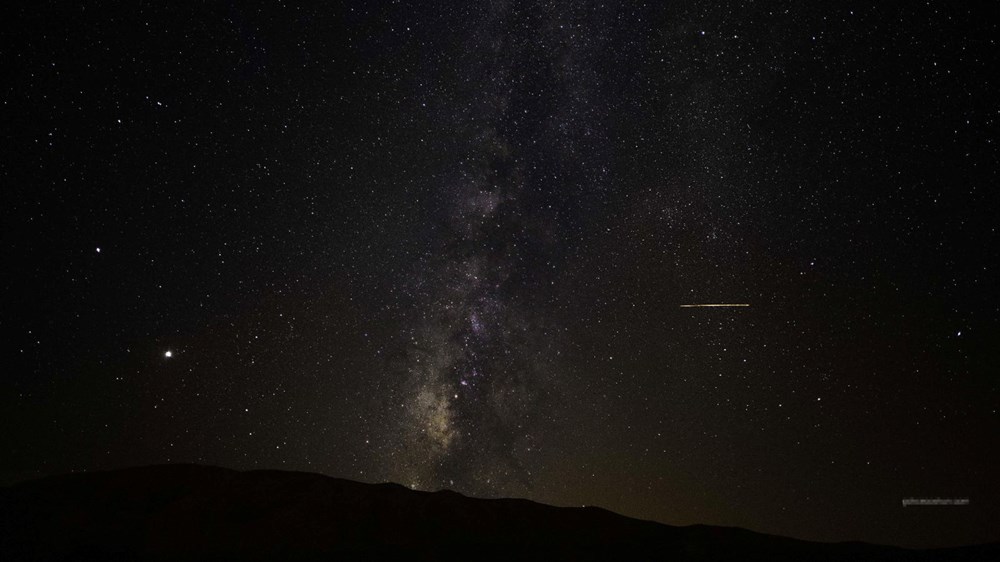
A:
184, 512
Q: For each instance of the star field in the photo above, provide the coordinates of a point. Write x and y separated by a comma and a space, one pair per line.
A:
453, 245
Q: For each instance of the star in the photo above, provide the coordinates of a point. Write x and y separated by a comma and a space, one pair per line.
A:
168, 354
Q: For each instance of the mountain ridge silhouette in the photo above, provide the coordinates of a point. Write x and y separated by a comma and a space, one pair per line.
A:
197, 512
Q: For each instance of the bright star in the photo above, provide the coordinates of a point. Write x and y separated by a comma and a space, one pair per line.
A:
168, 354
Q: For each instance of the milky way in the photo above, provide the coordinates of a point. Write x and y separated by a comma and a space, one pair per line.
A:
694, 262
481, 352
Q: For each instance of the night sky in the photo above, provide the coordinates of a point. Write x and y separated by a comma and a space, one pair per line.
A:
447, 244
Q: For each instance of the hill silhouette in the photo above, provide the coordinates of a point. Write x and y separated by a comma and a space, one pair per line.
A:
187, 512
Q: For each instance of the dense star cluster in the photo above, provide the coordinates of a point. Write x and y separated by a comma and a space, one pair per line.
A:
526, 140
455, 244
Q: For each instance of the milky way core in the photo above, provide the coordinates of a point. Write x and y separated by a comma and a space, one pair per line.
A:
480, 350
